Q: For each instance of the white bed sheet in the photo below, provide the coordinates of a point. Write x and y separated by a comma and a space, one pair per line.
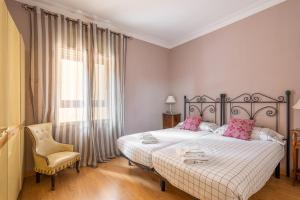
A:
236, 169
132, 147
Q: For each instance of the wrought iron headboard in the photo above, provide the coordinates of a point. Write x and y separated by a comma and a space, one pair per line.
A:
254, 104
201, 105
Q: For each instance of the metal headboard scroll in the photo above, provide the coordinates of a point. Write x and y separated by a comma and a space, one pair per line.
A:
271, 105
256, 104
201, 105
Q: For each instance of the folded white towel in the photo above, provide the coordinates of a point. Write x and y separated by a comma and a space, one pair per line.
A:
193, 155
195, 159
194, 151
190, 152
189, 155
191, 161
148, 138
149, 141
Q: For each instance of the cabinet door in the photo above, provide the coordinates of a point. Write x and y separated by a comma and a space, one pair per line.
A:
13, 104
13, 75
14, 175
22, 112
3, 124
167, 121
3, 62
3, 167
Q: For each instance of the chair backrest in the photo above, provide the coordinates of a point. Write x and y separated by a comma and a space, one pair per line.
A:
42, 140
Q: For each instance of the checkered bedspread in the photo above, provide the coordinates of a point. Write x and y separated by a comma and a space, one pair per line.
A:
236, 169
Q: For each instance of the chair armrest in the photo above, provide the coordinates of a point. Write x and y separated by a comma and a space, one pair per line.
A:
59, 147
40, 160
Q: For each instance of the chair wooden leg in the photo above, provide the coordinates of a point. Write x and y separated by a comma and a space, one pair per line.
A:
37, 177
53, 182
277, 171
162, 185
129, 163
77, 166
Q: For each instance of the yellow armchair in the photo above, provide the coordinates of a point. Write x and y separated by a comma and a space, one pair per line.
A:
50, 156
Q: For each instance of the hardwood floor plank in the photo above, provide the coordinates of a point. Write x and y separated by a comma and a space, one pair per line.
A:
115, 180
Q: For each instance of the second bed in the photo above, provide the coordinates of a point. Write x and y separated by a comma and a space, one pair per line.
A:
235, 170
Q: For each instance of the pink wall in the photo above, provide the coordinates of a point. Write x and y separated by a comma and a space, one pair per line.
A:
260, 53
146, 86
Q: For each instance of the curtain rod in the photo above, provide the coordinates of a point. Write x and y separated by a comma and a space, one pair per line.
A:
31, 8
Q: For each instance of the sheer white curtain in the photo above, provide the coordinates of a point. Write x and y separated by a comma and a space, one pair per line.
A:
77, 82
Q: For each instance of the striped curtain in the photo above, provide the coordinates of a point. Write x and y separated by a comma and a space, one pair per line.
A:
77, 82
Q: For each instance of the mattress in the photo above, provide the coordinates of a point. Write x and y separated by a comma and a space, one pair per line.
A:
132, 148
236, 169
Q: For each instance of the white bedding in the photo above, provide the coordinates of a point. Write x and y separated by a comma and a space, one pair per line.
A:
236, 170
132, 148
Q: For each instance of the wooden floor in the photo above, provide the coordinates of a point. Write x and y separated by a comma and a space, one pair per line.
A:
116, 180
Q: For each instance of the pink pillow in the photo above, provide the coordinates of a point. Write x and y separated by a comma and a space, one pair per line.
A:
239, 128
191, 123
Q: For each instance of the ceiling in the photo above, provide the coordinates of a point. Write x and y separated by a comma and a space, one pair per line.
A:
167, 23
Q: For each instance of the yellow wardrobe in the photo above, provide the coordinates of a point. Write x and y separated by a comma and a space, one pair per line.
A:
11, 106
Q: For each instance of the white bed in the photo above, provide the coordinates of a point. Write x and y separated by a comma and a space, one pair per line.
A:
133, 149
236, 169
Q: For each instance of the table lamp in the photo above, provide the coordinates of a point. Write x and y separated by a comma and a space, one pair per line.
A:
170, 100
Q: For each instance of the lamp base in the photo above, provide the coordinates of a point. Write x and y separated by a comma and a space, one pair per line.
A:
170, 109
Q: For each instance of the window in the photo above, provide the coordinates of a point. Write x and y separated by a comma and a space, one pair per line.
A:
74, 89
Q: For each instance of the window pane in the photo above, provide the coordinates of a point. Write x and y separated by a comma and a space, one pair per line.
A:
100, 93
73, 89
72, 114
72, 82
100, 82
73, 86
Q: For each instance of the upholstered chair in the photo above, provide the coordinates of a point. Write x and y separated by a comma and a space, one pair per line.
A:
50, 157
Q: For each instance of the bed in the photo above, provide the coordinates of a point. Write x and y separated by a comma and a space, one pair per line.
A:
141, 154
236, 169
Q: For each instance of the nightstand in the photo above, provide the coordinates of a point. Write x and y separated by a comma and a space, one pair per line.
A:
295, 149
170, 120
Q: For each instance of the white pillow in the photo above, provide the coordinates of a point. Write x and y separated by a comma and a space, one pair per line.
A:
267, 134
221, 130
208, 126
258, 133
179, 125
203, 126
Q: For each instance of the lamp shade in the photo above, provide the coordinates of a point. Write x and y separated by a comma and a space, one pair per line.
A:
170, 99
297, 105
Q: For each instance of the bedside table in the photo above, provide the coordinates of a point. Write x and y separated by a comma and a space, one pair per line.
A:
295, 149
170, 120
